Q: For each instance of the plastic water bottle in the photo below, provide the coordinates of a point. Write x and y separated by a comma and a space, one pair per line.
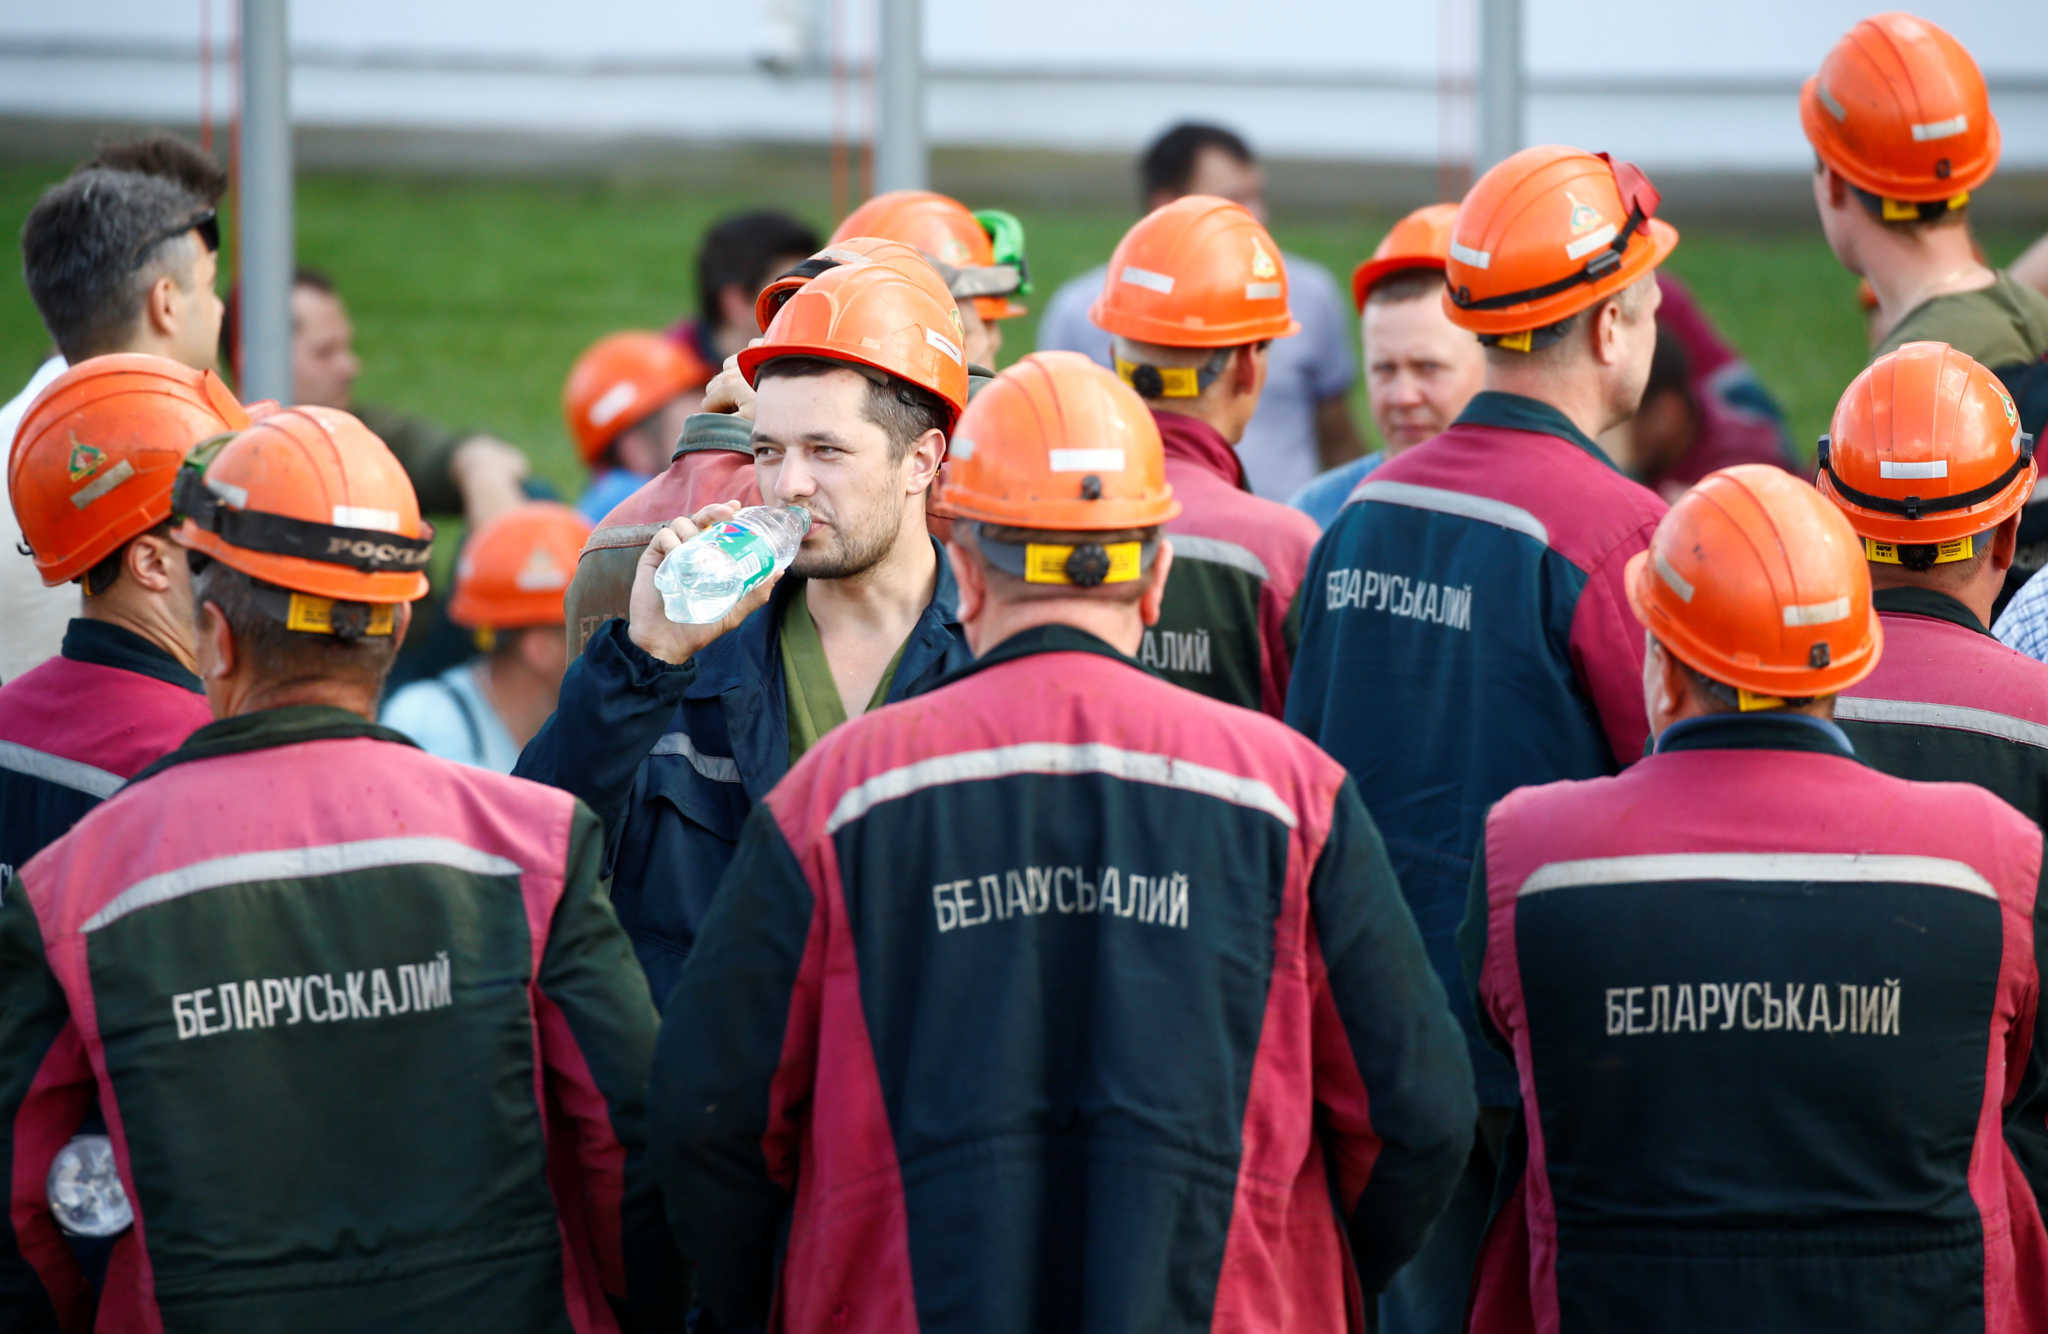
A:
85, 1189
701, 580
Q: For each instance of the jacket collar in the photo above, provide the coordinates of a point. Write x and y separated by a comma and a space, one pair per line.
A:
1514, 412
1195, 441
105, 645
1927, 602
266, 729
1038, 639
742, 673
1757, 731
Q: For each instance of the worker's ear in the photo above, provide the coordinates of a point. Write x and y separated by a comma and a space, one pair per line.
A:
1154, 595
404, 624
971, 578
214, 643
1665, 686
2005, 542
921, 463
148, 561
160, 307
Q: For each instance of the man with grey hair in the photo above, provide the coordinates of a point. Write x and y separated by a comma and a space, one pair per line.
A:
117, 261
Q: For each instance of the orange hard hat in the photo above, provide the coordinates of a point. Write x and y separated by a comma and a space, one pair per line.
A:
1057, 443
1754, 580
620, 380
1899, 110
1545, 234
515, 570
1198, 272
899, 320
849, 250
1422, 240
95, 456
943, 228
1926, 449
310, 500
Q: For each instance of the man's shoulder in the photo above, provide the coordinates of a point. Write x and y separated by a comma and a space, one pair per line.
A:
2000, 325
1549, 488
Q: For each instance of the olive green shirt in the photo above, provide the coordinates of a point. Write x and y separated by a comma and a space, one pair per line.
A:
2005, 324
814, 704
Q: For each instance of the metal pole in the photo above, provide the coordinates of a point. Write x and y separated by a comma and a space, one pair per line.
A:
264, 204
900, 161
1500, 80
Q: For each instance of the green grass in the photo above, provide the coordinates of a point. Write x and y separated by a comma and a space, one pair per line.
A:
471, 297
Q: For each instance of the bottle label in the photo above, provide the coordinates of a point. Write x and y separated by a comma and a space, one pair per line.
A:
751, 553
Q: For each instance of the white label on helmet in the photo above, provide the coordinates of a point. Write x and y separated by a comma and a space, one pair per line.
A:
1817, 613
1940, 129
1478, 259
1262, 291
1087, 460
960, 447
541, 573
1597, 239
1827, 99
611, 403
1161, 283
234, 497
944, 344
358, 516
102, 484
1935, 468
1673, 580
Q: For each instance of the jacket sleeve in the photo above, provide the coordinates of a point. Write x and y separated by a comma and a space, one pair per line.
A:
1394, 1086
615, 702
597, 1028
1473, 934
45, 1097
2026, 1120
1607, 651
734, 1071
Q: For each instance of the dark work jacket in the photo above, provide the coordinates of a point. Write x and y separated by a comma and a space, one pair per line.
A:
80, 725
672, 758
1950, 704
1465, 632
1058, 998
1768, 1007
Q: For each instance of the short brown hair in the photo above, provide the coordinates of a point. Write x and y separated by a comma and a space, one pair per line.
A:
903, 410
278, 655
1405, 285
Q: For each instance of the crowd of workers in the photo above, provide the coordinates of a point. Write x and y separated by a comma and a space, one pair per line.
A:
943, 939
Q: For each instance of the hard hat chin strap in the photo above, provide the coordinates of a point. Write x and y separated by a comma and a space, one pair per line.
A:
365, 550
1920, 507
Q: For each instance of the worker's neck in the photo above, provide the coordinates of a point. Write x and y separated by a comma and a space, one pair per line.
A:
888, 595
1977, 590
146, 614
1218, 417
144, 338
1577, 395
1697, 706
243, 696
1908, 270
1115, 623
521, 697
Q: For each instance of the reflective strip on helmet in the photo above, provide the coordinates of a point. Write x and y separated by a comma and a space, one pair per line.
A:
1086, 460
102, 484
945, 345
1906, 471
360, 516
1940, 129
1478, 259
235, 497
1817, 613
1262, 291
1673, 580
1827, 99
1161, 283
1591, 241
612, 402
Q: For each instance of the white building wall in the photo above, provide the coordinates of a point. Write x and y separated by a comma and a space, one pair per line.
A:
1676, 84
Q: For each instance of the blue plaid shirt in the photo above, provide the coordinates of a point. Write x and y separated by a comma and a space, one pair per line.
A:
2024, 625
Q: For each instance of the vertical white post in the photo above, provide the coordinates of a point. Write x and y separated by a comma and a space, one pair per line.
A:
264, 202
900, 159
1500, 81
